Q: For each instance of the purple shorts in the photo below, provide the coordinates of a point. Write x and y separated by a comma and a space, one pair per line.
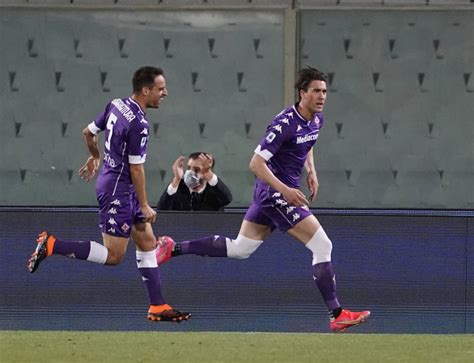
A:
271, 209
118, 213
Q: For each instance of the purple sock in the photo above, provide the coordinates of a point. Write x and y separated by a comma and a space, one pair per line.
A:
148, 267
213, 246
72, 249
151, 277
323, 274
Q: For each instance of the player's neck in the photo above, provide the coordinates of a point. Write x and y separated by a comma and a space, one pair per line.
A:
140, 101
303, 111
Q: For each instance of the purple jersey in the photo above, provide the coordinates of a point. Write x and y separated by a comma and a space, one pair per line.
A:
286, 144
126, 137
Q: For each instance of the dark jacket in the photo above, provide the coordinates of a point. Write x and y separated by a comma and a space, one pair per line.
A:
212, 198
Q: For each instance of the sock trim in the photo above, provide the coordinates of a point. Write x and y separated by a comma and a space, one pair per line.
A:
241, 247
176, 249
146, 259
321, 246
98, 253
334, 314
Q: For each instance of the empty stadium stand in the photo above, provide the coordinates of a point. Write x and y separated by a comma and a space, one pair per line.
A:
401, 89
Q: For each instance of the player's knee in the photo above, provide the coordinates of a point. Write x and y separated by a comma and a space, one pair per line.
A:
321, 246
241, 247
114, 259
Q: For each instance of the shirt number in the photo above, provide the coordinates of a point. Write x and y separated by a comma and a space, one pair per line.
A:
110, 125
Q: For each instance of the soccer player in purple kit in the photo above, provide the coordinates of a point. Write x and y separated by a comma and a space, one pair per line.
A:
278, 162
123, 206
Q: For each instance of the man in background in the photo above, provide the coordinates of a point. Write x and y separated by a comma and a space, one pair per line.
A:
196, 189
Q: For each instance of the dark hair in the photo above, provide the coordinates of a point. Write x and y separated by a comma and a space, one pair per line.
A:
145, 77
306, 75
195, 155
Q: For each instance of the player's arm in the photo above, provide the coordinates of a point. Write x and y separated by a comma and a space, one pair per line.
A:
259, 166
89, 135
137, 138
89, 169
137, 172
278, 132
312, 178
92, 144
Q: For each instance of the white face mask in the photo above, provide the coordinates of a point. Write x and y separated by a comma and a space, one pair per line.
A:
192, 179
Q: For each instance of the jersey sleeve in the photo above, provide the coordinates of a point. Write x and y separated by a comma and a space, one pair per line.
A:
137, 141
100, 122
280, 130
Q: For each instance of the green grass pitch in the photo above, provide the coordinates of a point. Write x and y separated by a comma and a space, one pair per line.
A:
65, 346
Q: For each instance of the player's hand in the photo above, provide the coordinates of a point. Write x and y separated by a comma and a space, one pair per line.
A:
295, 197
149, 213
89, 169
313, 185
207, 161
178, 168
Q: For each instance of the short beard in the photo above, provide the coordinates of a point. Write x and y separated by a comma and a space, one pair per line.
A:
152, 106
